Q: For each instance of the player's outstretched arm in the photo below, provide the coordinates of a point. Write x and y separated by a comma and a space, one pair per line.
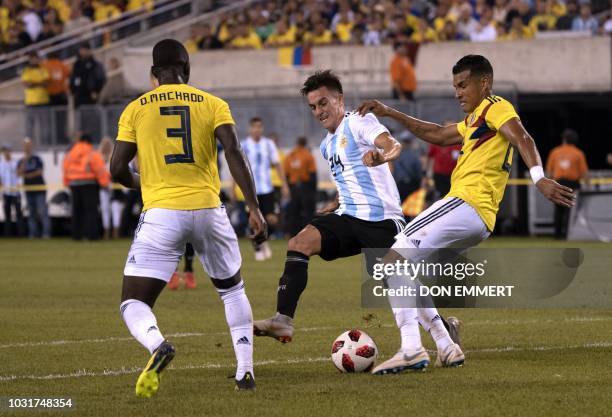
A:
123, 153
515, 132
427, 131
241, 172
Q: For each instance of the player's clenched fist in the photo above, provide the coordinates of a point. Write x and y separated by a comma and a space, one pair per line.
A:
373, 158
373, 106
557, 193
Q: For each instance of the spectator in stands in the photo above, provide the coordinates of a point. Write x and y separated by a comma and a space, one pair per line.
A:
544, 19
402, 75
35, 79
263, 27
449, 32
357, 35
245, 38
606, 28
565, 22
301, 172
59, 75
282, 35
105, 10
84, 172
401, 31
87, 79
466, 24
208, 39
424, 33
320, 35
485, 30
518, 30
140, 5
344, 25
30, 168
407, 169
32, 21
585, 20
376, 32
195, 35
11, 197
500, 10
77, 20
567, 165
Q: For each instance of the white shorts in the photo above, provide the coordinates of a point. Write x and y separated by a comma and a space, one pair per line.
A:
448, 223
161, 235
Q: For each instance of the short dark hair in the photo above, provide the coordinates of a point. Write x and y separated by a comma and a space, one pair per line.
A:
170, 60
86, 137
322, 79
570, 136
255, 119
476, 64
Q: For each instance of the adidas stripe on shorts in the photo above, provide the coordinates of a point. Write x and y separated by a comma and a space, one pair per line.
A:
448, 223
161, 235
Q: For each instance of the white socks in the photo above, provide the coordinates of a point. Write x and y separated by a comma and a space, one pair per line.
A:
141, 322
432, 323
240, 321
406, 319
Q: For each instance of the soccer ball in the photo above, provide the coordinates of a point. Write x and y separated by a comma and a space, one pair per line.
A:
354, 351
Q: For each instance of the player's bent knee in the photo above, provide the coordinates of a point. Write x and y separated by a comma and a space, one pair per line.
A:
308, 241
227, 283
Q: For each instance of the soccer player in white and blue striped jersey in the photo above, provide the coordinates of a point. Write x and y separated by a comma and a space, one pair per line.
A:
366, 214
263, 156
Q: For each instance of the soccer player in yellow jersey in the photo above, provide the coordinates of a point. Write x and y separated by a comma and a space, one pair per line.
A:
489, 134
172, 130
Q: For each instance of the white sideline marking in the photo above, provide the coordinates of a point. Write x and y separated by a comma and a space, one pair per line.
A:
133, 370
305, 329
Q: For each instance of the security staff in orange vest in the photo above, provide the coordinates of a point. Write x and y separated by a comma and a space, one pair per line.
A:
567, 165
84, 172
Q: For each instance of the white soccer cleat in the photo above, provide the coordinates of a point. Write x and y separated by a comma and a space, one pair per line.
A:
260, 255
414, 360
279, 327
451, 357
266, 250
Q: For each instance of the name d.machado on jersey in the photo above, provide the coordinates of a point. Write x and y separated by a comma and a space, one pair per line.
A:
171, 95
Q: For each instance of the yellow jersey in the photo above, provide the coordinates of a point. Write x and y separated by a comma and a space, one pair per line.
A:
485, 160
173, 128
35, 95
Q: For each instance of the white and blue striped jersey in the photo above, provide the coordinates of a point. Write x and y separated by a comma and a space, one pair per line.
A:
262, 154
366, 193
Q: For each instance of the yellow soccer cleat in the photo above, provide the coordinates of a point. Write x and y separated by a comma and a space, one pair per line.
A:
148, 381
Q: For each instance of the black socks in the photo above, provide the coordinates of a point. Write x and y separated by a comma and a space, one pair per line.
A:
292, 283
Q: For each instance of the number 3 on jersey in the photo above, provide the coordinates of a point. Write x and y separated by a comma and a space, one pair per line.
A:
184, 133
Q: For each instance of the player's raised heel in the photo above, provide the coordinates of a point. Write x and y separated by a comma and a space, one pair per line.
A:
413, 360
148, 381
280, 327
454, 329
451, 357
247, 383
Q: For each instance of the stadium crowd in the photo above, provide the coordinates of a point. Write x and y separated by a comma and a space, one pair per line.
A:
310, 22
287, 23
23, 23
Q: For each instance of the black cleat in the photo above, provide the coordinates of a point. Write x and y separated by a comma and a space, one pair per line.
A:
247, 383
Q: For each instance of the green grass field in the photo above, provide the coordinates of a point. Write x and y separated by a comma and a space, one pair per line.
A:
61, 335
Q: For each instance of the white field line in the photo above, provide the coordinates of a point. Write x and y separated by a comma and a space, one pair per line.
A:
134, 369
305, 329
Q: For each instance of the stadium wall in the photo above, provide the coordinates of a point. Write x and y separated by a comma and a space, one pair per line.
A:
534, 66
